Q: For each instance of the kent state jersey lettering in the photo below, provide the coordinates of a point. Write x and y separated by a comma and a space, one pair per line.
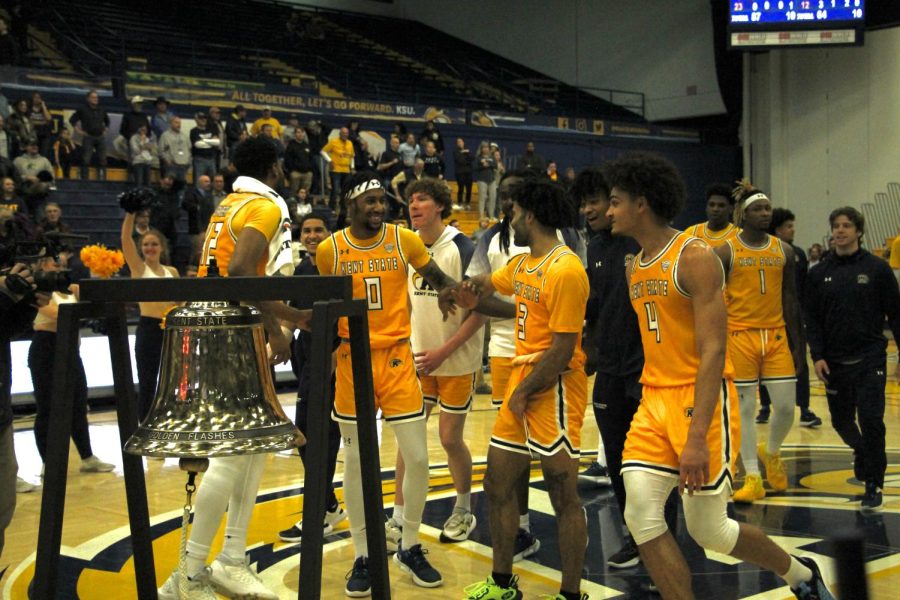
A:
713, 238
379, 270
550, 293
666, 317
237, 211
753, 290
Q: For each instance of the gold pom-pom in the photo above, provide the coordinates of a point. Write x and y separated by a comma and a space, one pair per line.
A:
102, 261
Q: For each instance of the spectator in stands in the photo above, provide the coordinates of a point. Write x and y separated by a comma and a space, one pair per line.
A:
315, 134
483, 225
390, 163
166, 209
409, 151
298, 162
36, 174
485, 167
5, 141
52, 221
353, 128
197, 202
267, 119
568, 180
434, 164
64, 152
237, 125
462, 161
92, 122
815, 254
399, 131
142, 150
407, 176
159, 124
320, 207
268, 130
218, 189
302, 205
293, 124
133, 120
20, 127
215, 127
9, 50
531, 161
363, 160
175, 152
8, 170
499, 172
4, 106
204, 145
338, 153
432, 134
551, 171
9, 197
42, 121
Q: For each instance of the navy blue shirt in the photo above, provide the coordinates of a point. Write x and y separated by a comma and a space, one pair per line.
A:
612, 324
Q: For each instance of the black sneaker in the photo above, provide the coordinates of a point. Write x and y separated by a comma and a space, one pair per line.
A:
763, 416
359, 584
413, 561
526, 545
809, 419
627, 556
871, 502
814, 589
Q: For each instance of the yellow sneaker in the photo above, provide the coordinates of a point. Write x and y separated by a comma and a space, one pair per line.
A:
753, 490
775, 473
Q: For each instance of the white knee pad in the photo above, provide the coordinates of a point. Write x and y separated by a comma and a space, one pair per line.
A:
708, 522
646, 495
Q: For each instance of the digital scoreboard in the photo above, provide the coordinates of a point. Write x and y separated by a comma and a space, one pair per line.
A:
769, 24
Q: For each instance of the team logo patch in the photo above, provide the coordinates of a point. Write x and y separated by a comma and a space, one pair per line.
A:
862, 279
665, 265
628, 259
396, 362
388, 248
689, 412
540, 274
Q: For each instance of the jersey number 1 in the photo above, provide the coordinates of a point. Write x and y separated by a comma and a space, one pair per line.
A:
652, 319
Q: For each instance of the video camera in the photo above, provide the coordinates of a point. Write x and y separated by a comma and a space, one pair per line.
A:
14, 251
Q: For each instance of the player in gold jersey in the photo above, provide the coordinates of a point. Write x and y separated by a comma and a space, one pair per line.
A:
546, 397
763, 327
719, 206
683, 432
377, 256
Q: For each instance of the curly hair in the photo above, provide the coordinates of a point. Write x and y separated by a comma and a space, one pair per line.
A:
436, 189
651, 176
856, 217
255, 156
780, 216
546, 200
720, 189
590, 182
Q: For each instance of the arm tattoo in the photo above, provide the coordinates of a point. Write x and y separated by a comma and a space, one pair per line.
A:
435, 277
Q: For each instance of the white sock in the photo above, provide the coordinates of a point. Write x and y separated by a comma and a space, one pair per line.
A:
240, 508
398, 514
464, 502
783, 395
525, 522
353, 496
747, 395
410, 534
413, 445
797, 574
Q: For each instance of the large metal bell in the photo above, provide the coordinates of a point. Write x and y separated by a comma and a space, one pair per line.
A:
215, 395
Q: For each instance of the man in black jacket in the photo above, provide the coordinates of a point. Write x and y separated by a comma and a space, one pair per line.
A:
848, 296
92, 122
298, 163
462, 161
134, 120
17, 311
236, 128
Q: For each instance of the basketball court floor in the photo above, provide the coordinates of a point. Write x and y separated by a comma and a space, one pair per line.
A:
822, 499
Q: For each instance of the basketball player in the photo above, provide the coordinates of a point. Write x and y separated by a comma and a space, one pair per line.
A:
249, 234
683, 433
447, 352
546, 397
763, 328
719, 207
378, 255
494, 249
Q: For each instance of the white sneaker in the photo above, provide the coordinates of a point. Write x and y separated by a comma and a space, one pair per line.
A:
23, 487
238, 580
294, 533
197, 588
92, 464
458, 527
393, 533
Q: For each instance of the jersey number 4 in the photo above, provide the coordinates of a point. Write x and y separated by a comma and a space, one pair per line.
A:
652, 319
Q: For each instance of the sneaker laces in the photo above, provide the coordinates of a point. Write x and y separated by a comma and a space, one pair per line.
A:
360, 569
416, 558
457, 519
242, 572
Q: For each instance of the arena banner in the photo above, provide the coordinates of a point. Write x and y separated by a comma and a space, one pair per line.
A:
205, 92
581, 125
21, 82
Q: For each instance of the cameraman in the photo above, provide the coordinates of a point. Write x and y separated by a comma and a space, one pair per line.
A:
18, 306
41, 357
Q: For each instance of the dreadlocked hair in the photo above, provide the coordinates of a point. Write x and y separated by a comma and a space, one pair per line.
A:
743, 190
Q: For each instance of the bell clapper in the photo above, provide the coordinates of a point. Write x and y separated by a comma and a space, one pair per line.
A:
192, 466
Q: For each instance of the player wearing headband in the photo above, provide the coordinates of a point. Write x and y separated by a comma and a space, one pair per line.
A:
378, 256
763, 327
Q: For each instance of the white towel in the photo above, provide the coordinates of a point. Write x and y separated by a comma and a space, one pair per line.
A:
280, 245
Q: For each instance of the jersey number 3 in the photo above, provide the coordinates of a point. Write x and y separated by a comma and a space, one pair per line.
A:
652, 319
520, 320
